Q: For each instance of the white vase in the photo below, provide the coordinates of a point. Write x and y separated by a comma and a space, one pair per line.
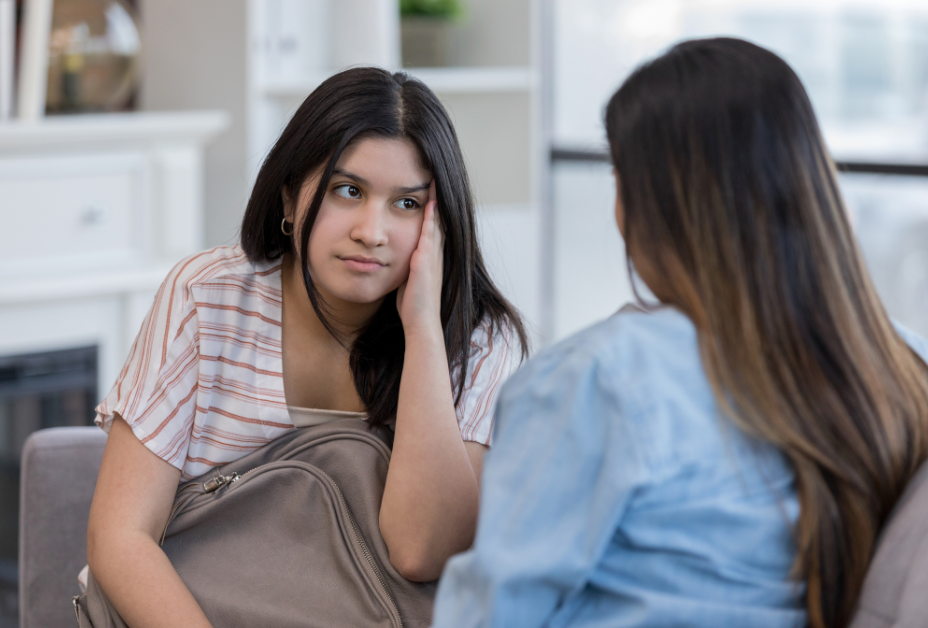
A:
297, 44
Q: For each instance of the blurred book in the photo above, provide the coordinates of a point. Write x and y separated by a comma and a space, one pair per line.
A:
33, 67
7, 57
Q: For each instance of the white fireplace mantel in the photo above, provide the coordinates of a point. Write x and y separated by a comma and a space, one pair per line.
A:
111, 130
94, 210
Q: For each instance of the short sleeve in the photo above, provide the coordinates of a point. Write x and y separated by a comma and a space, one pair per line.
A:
495, 355
156, 390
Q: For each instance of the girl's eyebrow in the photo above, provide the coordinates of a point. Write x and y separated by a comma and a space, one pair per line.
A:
351, 175
417, 188
363, 181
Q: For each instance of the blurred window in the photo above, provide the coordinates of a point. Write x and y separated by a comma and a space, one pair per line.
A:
865, 66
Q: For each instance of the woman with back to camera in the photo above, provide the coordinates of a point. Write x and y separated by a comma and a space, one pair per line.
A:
728, 457
358, 290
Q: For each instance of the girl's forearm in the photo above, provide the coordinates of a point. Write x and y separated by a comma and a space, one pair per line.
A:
141, 583
429, 509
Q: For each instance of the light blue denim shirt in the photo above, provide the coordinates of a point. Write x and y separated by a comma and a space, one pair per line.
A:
617, 494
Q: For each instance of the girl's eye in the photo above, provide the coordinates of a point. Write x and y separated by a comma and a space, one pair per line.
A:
347, 191
406, 203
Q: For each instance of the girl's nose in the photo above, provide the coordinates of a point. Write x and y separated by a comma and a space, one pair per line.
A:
369, 227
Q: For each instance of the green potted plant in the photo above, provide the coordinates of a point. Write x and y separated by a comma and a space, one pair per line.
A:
425, 27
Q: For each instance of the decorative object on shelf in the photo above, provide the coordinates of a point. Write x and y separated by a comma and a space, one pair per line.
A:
7, 54
33, 64
425, 30
296, 40
94, 53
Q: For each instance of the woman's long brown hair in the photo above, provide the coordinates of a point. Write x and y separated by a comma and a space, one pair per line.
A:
731, 202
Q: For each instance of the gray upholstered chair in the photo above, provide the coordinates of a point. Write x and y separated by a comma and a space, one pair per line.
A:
60, 467
59, 470
895, 593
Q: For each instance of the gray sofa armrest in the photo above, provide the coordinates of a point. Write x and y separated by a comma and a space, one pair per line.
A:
59, 472
893, 594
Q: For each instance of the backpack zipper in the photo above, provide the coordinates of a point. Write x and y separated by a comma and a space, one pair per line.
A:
219, 481
210, 486
364, 549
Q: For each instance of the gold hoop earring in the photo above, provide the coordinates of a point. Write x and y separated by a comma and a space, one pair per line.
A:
283, 227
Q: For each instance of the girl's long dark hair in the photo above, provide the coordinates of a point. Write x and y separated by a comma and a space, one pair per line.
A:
731, 200
347, 107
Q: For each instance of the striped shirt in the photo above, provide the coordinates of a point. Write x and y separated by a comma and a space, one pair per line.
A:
203, 384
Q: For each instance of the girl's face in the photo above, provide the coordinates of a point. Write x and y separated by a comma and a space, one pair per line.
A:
369, 222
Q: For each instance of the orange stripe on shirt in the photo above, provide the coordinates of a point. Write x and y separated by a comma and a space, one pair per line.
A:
170, 416
243, 419
243, 365
235, 308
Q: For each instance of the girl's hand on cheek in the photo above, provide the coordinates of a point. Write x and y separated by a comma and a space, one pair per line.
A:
419, 299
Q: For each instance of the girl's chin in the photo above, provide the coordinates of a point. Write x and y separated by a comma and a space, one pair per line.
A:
353, 290
358, 297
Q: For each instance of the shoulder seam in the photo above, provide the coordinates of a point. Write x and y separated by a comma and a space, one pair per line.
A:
217, 266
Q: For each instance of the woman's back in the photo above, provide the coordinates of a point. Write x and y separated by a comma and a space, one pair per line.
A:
639, 502
706, 531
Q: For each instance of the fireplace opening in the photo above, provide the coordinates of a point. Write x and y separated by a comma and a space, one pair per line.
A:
37, 390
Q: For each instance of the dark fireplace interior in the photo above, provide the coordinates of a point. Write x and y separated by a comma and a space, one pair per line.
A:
37, 390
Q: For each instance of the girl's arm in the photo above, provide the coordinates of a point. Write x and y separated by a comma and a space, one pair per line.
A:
131, 504
429, 509
430, 502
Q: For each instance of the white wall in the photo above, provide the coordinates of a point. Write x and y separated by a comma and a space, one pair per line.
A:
509, 238
591, 276
194, 58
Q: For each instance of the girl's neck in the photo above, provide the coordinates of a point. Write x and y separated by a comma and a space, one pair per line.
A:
345, 317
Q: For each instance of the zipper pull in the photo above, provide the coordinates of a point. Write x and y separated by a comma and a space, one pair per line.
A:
219, 481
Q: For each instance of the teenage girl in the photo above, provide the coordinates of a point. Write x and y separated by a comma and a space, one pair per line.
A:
728, 456
358, 290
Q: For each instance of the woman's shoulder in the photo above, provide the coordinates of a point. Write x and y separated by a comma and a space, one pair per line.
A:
490, 336
495, 353
644, 366
219, 268
634, 377
217, 262
633, 337
917, 343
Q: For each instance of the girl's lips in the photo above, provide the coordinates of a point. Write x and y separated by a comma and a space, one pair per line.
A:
362, 264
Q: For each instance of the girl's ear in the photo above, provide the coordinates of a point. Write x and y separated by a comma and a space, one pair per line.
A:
288, 203
619, 209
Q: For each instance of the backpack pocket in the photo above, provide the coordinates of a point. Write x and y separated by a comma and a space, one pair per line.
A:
279, 546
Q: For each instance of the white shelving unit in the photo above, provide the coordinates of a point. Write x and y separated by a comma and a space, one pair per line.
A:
117, 200
476, 80
452, 80
492, 93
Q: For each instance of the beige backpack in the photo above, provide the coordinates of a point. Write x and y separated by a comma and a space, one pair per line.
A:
287, 536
